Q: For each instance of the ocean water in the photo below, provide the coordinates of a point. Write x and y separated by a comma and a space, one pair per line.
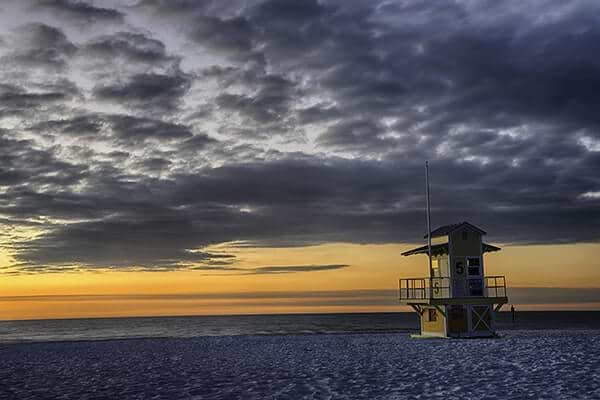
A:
288, 324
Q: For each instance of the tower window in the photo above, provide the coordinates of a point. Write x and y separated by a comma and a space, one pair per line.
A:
473, 261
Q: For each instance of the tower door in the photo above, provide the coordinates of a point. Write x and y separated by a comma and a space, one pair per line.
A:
474, 276
468, 277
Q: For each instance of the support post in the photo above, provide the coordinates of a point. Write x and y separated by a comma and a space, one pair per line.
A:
440, 309
418, 309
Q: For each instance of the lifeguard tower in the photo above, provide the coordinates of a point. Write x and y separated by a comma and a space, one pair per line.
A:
456, 299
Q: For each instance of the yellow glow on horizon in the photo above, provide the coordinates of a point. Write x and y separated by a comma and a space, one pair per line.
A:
565, 265
373, 267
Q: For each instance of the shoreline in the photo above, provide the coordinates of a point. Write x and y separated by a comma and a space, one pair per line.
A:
42, 331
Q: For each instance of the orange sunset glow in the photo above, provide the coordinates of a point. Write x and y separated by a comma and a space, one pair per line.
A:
367, 284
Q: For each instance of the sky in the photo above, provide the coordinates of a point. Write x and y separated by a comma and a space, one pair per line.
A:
206, 157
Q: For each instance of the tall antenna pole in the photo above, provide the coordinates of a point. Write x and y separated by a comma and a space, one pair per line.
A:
428, 219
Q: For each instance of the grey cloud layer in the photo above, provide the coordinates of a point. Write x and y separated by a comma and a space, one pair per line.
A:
146, 91
292, 123
80, 11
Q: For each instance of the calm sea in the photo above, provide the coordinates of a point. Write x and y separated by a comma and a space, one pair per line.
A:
289, 324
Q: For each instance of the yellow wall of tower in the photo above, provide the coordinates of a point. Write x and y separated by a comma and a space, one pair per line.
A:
432, 326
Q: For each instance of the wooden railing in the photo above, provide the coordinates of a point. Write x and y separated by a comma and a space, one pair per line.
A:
448, 288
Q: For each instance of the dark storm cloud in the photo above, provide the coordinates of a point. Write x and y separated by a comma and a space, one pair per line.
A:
126, 129
148, 91
460, 75
319, 114
296, 203
269, 98
196, 143
357, 135
166, 241
23, 165
291, 10
186, 9
501, 99
132, 47
98, 247
137, 129
280, 269
46, 57
16, 100
296, 268
154, 164
81, 125
229, 35
80, 11
15, 97
40, 45
40, 36
214, 25
260, 108
177, 7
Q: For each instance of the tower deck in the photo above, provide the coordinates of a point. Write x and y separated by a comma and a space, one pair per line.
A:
416, 292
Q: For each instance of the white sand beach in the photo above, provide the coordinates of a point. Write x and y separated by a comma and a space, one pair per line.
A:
561, 364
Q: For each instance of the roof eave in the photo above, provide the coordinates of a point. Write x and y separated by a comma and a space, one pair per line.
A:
443, 249
459, 225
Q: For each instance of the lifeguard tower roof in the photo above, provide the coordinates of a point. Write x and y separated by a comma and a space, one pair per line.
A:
438, 249
445, 230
